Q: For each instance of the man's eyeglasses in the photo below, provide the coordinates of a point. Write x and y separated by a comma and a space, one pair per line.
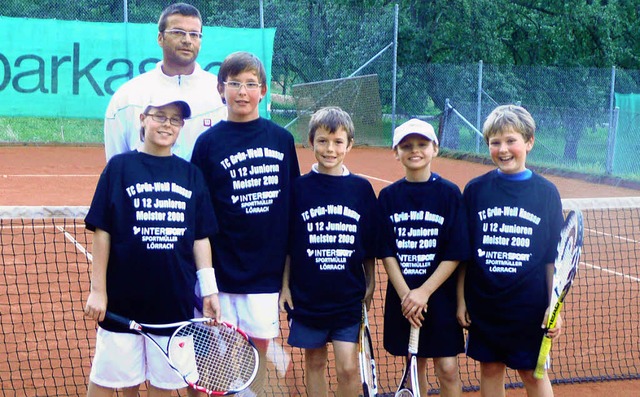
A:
181, 34
162, 119
236, 85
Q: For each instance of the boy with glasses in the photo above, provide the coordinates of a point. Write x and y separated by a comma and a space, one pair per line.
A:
180, 37
249, 164
151, 216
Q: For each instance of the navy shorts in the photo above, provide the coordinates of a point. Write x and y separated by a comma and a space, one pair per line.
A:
306, 337
516, 350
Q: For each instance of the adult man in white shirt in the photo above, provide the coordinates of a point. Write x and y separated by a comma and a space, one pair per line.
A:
179, 36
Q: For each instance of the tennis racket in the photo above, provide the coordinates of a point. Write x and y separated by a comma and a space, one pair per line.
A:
216, 360
566, 267
411, 368
365, 356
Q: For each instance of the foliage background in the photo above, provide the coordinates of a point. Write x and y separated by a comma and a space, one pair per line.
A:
555, 58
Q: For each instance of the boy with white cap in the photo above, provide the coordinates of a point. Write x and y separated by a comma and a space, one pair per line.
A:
423, 237
151, 216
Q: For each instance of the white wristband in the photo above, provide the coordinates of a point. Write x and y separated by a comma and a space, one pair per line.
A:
207, 281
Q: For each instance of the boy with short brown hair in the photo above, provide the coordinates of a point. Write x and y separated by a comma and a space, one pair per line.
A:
249, 164
330, 268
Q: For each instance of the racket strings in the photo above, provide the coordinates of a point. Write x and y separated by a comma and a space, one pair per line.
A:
225, 360
368, 363
568, 255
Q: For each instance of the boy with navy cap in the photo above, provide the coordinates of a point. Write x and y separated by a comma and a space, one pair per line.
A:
151, 216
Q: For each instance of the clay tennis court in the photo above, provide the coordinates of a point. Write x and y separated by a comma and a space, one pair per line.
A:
66, 176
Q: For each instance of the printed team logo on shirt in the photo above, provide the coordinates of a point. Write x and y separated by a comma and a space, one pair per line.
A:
416, 233
507, 236
328, 226
159, 219
255, 178
504, 262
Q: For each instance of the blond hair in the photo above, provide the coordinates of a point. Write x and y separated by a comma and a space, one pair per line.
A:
509, 117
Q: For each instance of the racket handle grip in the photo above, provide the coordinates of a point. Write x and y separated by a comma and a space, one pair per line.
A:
116, 318
553, 316
545, 349
414, 336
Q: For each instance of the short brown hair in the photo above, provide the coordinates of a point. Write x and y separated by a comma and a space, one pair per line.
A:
238, 62
507, 117
331, 118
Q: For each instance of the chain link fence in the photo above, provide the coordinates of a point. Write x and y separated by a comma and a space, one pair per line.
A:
579, 123
317, 41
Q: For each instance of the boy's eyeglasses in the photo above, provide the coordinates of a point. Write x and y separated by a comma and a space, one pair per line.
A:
236, 85
181, 34
163, 119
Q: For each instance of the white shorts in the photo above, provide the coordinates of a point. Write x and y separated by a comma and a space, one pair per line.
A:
256, 314
126, 360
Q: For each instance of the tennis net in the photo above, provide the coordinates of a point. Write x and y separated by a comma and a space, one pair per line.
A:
46, 344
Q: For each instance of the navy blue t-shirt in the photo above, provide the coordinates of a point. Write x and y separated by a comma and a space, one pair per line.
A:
333, 230
515, 227
248, 168
153, 208
423, 224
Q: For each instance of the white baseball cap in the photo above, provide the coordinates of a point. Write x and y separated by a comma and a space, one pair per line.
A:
414, 126
161, 98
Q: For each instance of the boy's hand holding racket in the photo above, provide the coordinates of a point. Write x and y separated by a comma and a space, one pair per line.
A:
285, 300
368, 297
414, 305
211, 308
96, 305
556, 330
208, 289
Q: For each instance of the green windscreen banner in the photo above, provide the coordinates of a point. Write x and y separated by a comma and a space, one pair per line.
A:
55, 68
627, 144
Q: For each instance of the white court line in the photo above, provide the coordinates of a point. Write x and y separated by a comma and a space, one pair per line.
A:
604, 269
75, 242
375, 179
50, 175
629, 240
